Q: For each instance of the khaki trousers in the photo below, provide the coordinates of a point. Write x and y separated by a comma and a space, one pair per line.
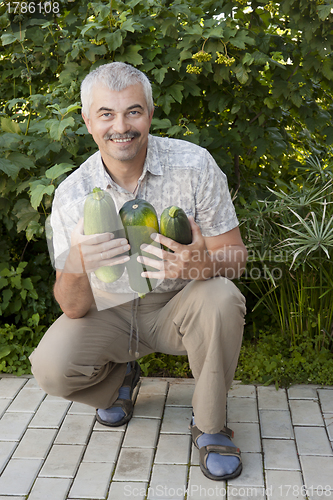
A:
85, 359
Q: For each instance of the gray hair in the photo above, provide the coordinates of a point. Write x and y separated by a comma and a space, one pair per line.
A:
116, 76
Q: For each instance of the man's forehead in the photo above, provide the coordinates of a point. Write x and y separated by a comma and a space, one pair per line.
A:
129, 97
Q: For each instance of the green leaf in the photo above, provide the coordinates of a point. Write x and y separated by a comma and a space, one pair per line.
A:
34, 229
9, 168
159, 74
176, 90
8, 38
37, 192
9, 125
4, 351
131, 55
21, 160
324, 11
57, 170
3, 282
241, 74
25, 214
7, 295
27, 284
328, 69
161, 124
57, 127
114, 40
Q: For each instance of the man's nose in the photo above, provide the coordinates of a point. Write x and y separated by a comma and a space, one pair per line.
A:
120, 124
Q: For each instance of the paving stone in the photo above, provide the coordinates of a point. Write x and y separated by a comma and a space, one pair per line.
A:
317, 471
245, 492
6, 451
32, 384
242, 410
27, 400
275, 424
134, 464
50, 414
35, 443
176, 420
312, 441
153, 386
252, 473
62, 461
180, 395
305, 412
302, 392
132, 490
247, 436
168, 481
92, 481
242, 391
50, 488
194, 455
4, 403
328, 419
103, 447
284, 484
280, 454
81, 409
149, 405
271, 399
200, 487
18, 476
75, 429
12, 498
173, 449
141, 433
13, 425
10, 386
326, 400
319, 494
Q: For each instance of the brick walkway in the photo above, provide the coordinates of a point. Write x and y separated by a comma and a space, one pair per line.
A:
51, 449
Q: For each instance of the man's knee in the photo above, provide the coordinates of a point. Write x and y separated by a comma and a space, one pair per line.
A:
49, 371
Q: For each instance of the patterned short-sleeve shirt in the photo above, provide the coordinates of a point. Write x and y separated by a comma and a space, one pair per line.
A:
175, 172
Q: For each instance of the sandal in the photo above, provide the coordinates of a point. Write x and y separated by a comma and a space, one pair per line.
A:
216, 448
130, 380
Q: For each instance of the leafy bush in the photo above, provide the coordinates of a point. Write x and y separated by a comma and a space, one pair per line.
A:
272, 360
16, 345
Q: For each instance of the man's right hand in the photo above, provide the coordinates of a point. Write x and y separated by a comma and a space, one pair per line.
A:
89, 252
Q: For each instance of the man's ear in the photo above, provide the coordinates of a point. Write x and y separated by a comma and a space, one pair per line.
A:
151, 115
87, 122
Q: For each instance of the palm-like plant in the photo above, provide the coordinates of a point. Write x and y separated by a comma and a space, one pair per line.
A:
292, 233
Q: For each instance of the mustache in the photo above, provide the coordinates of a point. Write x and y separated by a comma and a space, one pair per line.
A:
129, 135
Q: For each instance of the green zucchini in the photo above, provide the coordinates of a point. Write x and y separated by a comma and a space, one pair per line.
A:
175, 225
100, 216
140, 220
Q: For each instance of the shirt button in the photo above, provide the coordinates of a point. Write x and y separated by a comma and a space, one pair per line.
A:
108, 186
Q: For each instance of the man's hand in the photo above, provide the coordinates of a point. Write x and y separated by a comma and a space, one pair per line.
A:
187, 261
89, 252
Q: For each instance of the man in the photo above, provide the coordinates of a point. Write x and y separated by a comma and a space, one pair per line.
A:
87, 353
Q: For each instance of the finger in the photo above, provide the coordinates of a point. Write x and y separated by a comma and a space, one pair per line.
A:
146, 261
196, 231
154, 250
160, 275
167, 242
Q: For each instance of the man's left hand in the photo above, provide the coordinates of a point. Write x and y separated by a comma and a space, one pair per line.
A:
186, 262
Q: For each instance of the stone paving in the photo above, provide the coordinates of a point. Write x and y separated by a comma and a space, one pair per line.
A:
52, 449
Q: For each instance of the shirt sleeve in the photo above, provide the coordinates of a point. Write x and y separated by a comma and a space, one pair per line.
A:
215, 212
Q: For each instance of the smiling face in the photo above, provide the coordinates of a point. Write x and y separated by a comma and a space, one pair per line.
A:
119, 123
